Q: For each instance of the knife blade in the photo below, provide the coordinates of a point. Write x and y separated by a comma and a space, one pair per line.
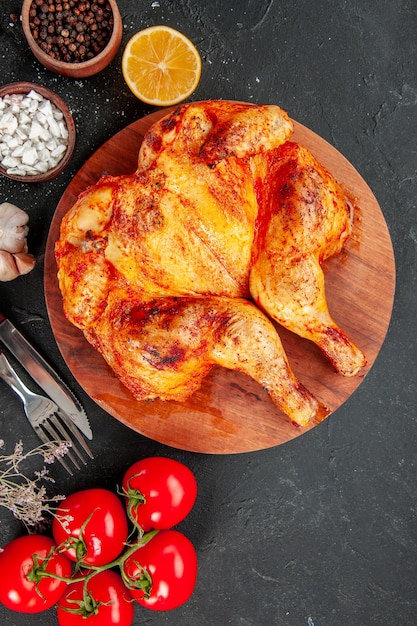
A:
43, 374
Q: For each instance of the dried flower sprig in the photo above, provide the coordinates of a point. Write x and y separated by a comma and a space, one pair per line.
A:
27, 497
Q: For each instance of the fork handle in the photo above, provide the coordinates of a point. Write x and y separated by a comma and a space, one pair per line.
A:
10, 377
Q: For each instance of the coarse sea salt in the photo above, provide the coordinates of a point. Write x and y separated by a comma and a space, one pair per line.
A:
33, 134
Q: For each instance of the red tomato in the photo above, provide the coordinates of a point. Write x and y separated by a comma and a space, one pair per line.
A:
108, 602
95, 523
160, 492
18, 590
164, 571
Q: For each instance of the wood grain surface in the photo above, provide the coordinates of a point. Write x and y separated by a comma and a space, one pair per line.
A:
231, 413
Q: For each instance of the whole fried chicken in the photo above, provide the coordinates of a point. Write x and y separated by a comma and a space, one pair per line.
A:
179, 266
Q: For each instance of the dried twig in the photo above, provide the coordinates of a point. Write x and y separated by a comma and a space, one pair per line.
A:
26, 497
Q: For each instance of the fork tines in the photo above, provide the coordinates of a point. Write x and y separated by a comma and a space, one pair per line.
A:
60, 427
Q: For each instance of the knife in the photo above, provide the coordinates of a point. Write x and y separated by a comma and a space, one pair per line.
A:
43, 374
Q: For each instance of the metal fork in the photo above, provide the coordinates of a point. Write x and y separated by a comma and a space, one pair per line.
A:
48, 422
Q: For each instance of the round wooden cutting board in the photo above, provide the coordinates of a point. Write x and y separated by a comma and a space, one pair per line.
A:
231, 413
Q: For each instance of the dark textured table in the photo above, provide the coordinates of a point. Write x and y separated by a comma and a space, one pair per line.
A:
321, 530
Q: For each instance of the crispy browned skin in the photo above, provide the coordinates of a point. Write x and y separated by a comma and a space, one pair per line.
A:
166, 346
303, 219
155, 268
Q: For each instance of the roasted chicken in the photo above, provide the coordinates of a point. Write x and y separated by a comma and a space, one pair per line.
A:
179, 266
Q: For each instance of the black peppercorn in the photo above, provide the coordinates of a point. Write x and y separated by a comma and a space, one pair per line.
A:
71, 31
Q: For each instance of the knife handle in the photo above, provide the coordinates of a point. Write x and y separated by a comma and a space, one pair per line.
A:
2, 317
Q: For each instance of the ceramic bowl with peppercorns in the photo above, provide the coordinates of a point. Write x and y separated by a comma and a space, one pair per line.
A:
74, 38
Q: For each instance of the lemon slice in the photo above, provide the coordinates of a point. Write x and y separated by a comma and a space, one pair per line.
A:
161, 66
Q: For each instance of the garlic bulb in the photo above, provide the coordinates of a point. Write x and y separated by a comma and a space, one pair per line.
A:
14, 257
13, 228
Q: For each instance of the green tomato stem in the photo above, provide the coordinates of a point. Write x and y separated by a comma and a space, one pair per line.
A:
134, 499
39, 571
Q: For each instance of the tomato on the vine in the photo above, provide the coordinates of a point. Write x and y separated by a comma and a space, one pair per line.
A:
160, 492
23, 588
91, 526
105, 600
162, 574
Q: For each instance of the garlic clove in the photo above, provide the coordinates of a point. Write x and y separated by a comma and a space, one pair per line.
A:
14, 257
13, 228
24, 262
8, 267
